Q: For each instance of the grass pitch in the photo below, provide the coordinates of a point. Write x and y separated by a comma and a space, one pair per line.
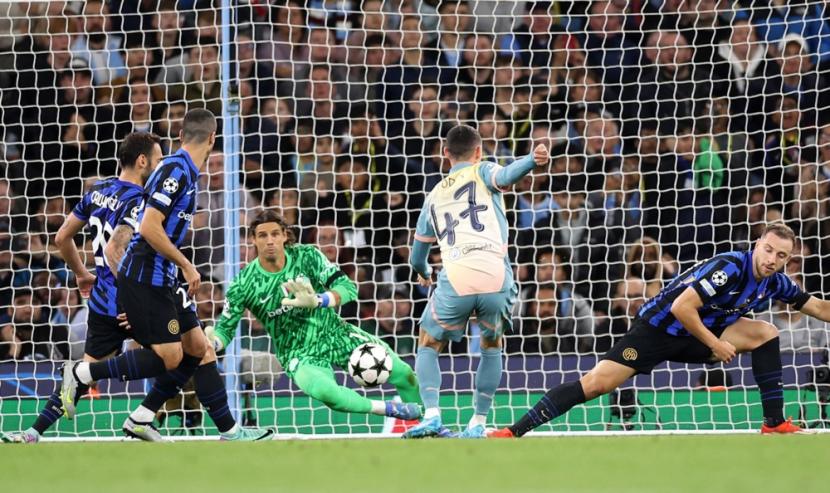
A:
733, 463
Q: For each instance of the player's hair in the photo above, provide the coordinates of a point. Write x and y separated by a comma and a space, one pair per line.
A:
197, 125
780, 230
134, 145
462, 141
271, 216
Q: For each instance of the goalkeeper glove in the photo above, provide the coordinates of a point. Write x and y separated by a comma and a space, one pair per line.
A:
304, 295
213, 339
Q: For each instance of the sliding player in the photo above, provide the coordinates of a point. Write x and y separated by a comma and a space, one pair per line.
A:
699, 318
293, 290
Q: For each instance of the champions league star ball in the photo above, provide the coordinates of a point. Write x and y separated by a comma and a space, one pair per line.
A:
370, 365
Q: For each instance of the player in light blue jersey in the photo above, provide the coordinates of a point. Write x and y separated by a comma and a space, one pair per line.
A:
465, 214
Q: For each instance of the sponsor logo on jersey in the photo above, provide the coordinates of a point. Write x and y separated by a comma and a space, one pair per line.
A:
184, 215
279, 311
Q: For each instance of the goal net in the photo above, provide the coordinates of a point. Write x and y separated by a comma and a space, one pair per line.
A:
677, 130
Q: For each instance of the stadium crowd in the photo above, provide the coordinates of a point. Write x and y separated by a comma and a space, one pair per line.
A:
678, 128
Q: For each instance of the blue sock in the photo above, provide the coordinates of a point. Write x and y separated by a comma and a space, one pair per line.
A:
169, 384
766, 369
210, 389
131, 365
51, 412
429, 376
488, 377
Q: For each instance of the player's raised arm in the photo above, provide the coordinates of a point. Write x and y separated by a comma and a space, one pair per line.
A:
65, 242
502, 178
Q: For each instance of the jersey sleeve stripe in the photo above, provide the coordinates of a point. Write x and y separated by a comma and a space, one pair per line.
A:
162, 198
425, 239
337, 275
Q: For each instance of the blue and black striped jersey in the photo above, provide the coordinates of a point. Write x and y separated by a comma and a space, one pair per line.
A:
729, 290
171, 190
108, 203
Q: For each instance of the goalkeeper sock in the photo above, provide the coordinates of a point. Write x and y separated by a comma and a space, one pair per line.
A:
132, 365
555, 402
210, 389
766, 369
168, 386
429, 377
488, 376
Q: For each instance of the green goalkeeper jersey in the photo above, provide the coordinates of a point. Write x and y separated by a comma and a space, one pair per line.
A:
316, 335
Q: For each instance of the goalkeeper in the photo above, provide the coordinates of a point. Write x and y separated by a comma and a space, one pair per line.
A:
280, 288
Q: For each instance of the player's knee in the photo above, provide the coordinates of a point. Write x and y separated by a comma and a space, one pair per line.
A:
323, 392
171, 354
195, 343
767, 331
487, 343
594, 385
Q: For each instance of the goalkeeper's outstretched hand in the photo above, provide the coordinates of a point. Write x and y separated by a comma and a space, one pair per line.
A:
303, 294
213, 339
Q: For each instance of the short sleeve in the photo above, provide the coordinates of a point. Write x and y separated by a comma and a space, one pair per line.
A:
165, 189
715, 278
81, 209
488, 171
786, 290
424, 229
129, 212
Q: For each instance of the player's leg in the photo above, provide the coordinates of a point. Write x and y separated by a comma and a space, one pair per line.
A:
444, 319
606, 376
403, 378
639, 351
199, 362
761, 339
493, 312
157, 330
317, 381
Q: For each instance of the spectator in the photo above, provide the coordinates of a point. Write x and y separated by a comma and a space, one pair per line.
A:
97, 46
199, 85
328, 114
602, 146
741, 62
628, 298
209, 221
32, 336
561, 322
476, 72
267, 148
170, 126
705, 23
140, 67
421, 140
793, 73
645, 260
454, 25
610, 49
783, 148
533, 39
393, 324
494, 130
136, 116
169, 40
806, 19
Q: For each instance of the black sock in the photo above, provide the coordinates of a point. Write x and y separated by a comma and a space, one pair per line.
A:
169, 384
52, 411
210, 389
555, 402
766, 369
132, 365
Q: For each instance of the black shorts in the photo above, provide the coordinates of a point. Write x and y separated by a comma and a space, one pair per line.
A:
645, 346
157, 314
103, 335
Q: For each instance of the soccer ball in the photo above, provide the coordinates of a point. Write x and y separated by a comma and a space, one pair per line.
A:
370, 365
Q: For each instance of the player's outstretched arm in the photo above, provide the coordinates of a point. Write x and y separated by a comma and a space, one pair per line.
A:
65, 242
114, 251
817, 308
517, 170
222, 334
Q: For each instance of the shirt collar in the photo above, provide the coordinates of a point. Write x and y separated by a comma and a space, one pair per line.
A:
189, 160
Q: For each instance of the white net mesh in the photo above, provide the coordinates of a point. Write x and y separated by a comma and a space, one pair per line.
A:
678, 128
